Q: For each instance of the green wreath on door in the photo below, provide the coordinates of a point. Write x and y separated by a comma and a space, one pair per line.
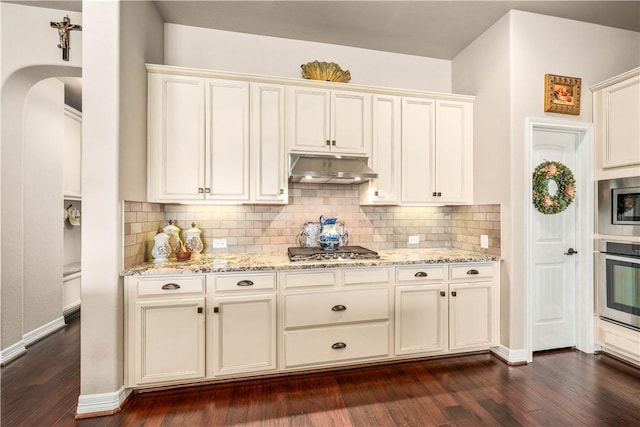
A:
545, 202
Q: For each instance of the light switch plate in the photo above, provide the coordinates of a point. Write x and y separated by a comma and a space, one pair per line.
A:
413, 240
219, 243
484, 241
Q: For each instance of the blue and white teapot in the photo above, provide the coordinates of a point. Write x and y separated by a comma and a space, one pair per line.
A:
329, 236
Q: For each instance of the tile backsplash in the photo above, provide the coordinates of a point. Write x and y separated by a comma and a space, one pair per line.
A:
271, 228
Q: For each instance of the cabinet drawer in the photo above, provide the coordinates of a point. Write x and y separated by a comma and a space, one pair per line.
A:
336, 307
309, 278
471, 271
245, 282
420, 273
336, 344
171, 286
365, 276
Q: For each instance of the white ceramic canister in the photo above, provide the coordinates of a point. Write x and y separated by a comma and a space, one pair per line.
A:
192, 240
161, 248
174, 238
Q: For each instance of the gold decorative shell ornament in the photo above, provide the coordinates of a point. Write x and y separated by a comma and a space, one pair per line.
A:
327, 71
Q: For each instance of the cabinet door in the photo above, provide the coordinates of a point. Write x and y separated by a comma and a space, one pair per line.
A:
169, 340
420, 319
453, 155
244, 334
418, 150
227, 140
175, 138
308, 119
268, 152
351, 123
71, 168
385, 153
621, 133
471, 315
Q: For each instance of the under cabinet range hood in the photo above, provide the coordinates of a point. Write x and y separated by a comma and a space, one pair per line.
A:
329, 169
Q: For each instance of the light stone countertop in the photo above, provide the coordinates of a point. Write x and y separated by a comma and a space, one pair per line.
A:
231, 262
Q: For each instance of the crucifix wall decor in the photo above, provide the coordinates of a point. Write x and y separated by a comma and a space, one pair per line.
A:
64, 28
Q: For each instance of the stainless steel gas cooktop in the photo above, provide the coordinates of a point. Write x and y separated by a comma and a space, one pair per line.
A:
319, 254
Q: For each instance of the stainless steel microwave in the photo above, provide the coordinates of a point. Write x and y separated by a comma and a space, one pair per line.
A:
619, 207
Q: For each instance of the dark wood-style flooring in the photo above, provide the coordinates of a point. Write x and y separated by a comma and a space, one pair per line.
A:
560, 388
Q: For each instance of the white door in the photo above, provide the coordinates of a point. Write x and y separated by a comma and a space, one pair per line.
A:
553, 270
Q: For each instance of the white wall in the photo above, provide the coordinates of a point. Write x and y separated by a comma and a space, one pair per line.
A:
538, 44
141, 42
31, 56
247, 53
483, 69
114, 85
43, 147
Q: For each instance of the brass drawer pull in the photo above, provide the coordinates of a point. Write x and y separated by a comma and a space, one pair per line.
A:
170, 287
338, 307
443, 294
421, 274
473, 271
454, 293
245, 283
339, 346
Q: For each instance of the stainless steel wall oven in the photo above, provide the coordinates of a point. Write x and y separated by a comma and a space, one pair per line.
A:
619, 207
619, 282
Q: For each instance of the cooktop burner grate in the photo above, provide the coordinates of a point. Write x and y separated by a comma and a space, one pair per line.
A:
345, 252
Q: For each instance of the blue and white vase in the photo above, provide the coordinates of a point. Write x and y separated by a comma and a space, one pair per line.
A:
329, 237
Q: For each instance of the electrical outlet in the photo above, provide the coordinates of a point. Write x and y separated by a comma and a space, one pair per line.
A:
414, 240
219, 243
484, 241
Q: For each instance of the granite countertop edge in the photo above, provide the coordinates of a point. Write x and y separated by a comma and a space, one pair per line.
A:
256, 262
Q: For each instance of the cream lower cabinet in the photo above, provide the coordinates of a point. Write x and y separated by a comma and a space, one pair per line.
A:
165, 330
446, 308
421, 310
192, 328
241, 324
335, 317
473, 306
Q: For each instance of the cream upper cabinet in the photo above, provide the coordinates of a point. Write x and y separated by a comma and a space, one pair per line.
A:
269, 172
198, 139
176, 114
328, 121
385, 154
72, 154
616, 116
437, 154
454, 152
227, 140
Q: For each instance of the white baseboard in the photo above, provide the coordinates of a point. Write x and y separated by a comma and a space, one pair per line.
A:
12, 352
101, 403
43, 331
512, 357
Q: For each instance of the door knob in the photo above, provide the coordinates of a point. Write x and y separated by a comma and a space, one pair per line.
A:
571, 251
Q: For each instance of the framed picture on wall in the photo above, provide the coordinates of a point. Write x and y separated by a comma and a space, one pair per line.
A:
562, 94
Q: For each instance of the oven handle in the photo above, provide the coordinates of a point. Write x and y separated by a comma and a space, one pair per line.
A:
623, 258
